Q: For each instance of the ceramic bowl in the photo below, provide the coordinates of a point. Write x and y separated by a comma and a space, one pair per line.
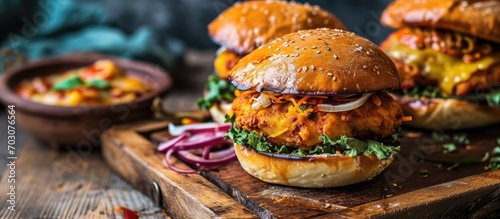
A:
80, 125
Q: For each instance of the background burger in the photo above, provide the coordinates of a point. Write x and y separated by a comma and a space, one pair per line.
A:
313, 111
246, 26
448, 57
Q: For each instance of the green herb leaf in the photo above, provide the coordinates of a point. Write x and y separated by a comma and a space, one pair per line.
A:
439, 137
450, 147
494, 163
496, 150
461, 138
68, 83
98, 83
424, 172
217, 90
493, 98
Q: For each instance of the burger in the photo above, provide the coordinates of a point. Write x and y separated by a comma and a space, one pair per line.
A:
313, 110
246, 26
448, 57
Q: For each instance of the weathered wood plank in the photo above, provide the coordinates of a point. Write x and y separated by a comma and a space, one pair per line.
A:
59, 184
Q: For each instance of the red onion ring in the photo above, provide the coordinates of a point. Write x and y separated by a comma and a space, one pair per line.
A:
203, 146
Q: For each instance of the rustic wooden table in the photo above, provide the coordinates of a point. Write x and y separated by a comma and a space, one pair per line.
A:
72, 184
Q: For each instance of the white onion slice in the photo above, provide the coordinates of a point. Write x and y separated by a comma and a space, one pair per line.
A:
344, 107
262, 101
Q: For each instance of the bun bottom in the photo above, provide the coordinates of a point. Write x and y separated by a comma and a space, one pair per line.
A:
219, 111
311, 171
447, 114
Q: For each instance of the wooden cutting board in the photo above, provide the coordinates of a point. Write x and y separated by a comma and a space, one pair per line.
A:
410, 187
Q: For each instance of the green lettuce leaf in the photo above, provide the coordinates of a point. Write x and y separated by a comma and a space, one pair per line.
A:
217, 90
348, 146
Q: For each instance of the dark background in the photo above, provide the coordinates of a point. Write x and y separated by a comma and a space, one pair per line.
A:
187, 19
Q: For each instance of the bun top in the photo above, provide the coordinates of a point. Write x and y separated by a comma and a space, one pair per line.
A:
480, 18
316, 62
247, 25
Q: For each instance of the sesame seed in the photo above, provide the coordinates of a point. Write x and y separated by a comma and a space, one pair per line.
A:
357, 86
312, 67
304, 68
335, 56
269, 47
365, 66
286, 55
296, 48
319, 38
278, 49
327, 48
367, 53
314, 47
378, 73
345, 88
321, 68
318, 52
329, 74
325, 43
302, 36
272, 19
292, 41
334, 78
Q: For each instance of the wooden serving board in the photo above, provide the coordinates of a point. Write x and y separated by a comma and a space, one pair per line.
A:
401, 191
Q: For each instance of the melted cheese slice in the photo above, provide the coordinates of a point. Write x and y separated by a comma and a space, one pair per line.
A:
445, 69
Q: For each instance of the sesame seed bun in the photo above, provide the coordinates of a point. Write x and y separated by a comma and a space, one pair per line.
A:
319, 171
247, 25
477, 18
316, 62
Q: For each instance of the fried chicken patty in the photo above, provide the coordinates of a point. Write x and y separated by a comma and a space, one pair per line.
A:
282, 123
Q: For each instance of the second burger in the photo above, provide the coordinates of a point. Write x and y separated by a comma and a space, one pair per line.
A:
245, 26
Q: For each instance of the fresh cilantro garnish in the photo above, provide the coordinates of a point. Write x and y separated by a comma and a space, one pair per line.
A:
98, 83
348, 146
68, 83
450, 147
217, 90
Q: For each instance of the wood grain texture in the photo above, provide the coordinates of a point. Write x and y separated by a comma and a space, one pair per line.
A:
401, 191
62, 184
184, 196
